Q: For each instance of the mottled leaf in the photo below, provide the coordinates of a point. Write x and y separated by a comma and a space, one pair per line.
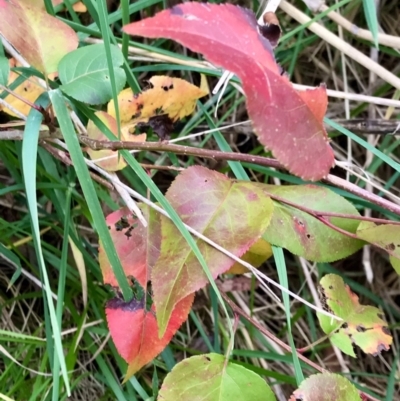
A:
108, 159
288, 122
233, 214
362, 325
303, 234
85, 76
166, 97
135, 333
41, 39
211, 378
326, 387
137, 246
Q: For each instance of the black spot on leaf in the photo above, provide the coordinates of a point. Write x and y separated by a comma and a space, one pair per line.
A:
361, 329
121, 224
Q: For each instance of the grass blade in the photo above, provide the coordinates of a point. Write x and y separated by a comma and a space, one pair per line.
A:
88, 189
283, 280
29, 157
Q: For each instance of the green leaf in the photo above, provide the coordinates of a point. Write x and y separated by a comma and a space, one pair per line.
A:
232, 214
362, 325
326, 387
395, 262
4, 70
385, 236
303, 234
85, 76
372, 19
211, 378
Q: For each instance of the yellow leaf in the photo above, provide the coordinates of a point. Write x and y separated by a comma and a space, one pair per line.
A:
29, 90
204, 84
173, 97
258, 253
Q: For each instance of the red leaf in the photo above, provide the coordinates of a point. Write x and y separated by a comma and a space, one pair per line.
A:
135, 331
287, 122
138, 247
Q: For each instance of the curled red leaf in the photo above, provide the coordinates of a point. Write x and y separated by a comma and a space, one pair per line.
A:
287, 122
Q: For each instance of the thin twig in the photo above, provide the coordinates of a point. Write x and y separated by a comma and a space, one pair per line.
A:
254, 159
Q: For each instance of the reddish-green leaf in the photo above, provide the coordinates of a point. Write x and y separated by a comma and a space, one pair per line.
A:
41, 39
138, 247
211, 378
326, 387
232, 214
303, 234
135, 333
362, 325
286, 121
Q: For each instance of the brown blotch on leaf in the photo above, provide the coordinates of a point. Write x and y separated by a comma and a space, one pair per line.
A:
361, 329
386, 330
390, 247
380, 315
162, 125
121, 223
128, 232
